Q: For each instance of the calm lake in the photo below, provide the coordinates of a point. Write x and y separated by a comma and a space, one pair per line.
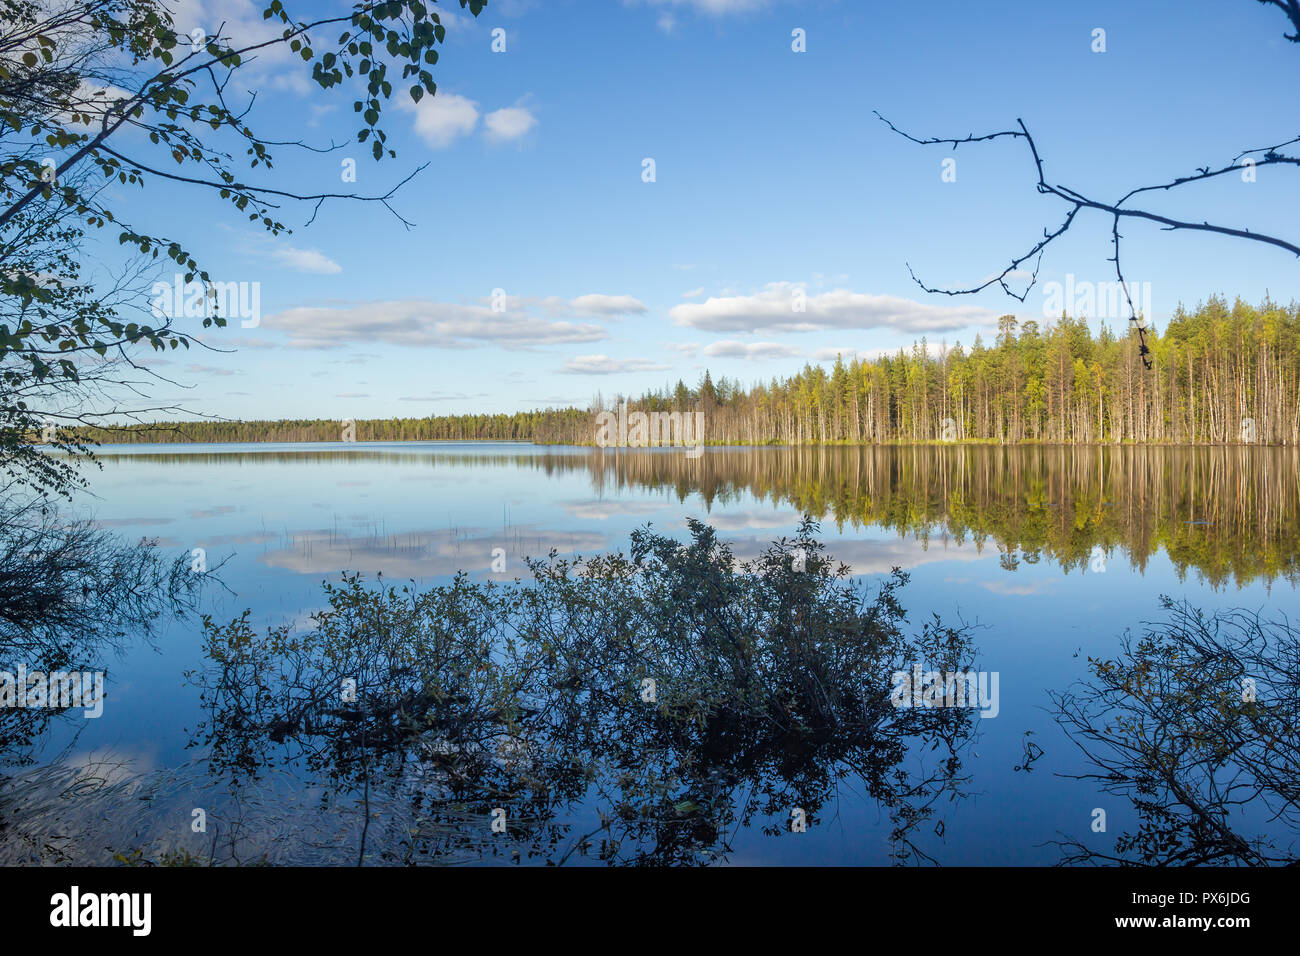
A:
1049, 553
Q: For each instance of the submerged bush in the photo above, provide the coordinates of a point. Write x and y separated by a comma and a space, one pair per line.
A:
1196, 722
621, 705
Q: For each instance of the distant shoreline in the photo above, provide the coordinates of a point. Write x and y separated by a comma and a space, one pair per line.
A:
960, 443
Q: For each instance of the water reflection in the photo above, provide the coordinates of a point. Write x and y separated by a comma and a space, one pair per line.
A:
634, 709
1231, 514
457, 713
71, 595
1196, 723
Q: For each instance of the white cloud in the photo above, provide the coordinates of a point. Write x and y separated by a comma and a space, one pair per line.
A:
773, 310
241, 24
751, 351
508, 123
604, 365
591, 304
319, 110
426, 554
441, 119
422, 323
602, 509
90, 100
694, 293
596, 304
870, 556
292, 81
307, 260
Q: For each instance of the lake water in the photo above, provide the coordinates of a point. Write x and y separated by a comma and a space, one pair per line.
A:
1049, 553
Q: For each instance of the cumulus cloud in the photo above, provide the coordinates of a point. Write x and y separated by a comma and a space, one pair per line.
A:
751, 351
596, 304
773, 310
441, 119
425, 554
445, 117
870, 556
241, 23
508, 123
423, 323
307, 260
602, 509
604, 365
592, 304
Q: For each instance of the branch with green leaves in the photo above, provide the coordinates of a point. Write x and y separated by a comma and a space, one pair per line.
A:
100, 93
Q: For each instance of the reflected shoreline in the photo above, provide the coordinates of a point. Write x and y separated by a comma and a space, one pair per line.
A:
1229, 513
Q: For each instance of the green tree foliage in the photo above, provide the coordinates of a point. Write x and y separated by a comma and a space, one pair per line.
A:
96, 93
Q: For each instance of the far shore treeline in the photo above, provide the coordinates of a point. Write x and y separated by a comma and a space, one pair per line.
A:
1224, 373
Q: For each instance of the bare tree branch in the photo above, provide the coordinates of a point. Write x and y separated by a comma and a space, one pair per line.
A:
1117, 210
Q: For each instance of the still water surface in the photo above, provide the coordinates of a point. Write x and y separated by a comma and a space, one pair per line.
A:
1050, 553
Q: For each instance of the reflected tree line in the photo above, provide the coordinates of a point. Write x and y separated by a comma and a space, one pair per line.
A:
1226, 513
638, 708
71, 595
1229, 514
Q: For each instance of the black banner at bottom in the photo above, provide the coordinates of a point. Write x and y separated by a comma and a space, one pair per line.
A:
331, 905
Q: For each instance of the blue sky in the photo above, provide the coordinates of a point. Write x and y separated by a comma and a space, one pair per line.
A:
771, 176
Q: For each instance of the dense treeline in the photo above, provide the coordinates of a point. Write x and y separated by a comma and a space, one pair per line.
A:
551, 426
1223, 373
